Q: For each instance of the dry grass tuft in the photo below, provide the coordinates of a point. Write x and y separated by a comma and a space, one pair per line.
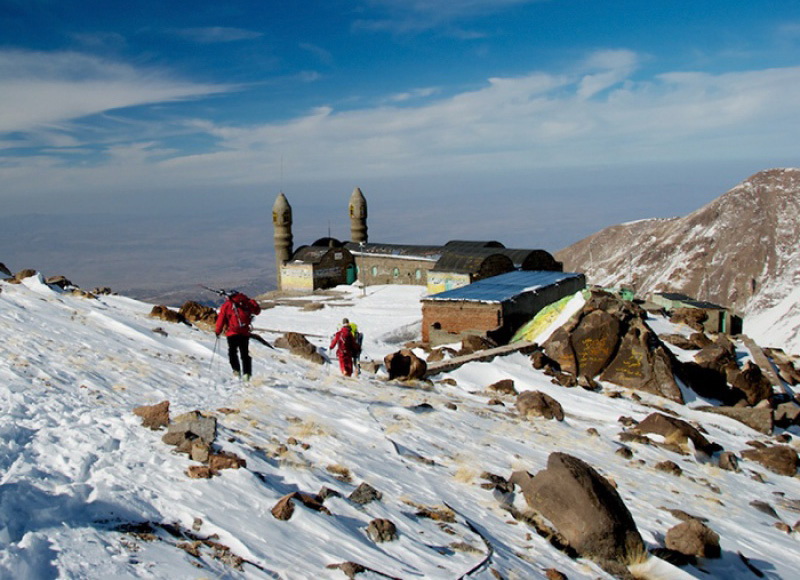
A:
340, 472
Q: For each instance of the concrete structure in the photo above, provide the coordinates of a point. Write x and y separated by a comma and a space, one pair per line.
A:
720, 319
282, 227
494, 307
439, 268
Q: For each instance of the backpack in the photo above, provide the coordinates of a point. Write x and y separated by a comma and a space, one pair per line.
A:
243, 310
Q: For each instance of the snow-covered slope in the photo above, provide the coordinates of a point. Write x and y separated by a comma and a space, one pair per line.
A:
741, 251
87, 492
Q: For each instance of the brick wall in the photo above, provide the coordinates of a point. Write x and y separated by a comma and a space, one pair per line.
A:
458, 318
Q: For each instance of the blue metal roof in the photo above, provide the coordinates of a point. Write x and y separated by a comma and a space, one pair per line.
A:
505, 286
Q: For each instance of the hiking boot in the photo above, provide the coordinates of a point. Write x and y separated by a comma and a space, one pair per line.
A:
246, 378
236, 374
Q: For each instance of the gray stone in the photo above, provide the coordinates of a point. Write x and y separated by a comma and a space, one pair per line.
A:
382, 530
693, 538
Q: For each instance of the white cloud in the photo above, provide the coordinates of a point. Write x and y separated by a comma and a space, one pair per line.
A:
44, 89
590, 116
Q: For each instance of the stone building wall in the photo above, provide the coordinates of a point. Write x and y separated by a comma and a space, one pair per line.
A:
373, 270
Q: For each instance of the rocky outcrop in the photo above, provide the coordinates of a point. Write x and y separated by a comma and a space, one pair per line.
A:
609, 339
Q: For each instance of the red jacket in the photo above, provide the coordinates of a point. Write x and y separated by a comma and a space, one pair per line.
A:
344, 342
236, 314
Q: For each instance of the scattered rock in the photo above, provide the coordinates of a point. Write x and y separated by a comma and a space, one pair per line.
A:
787, 414
21, 275
154, 417
765, 508
164, 313
382, 530
190, 426
584, 508
691, 317
59, 281
299, 346
495, 402
504, 386
750, 382
350, 569
677, 430
780, 459
538, 404
728, 461
198, 314
564, 379
588, 383
364, 494
4, 272
669, 467
284, 509
593, 432
624, 451
225, 460
474, 343
693, 538
199, 472
451, 406
553, 574
405, 365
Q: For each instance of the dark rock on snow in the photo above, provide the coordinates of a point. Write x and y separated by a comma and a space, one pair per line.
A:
531, 404
584, 508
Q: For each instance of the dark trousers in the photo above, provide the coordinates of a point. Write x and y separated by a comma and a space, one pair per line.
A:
239, 345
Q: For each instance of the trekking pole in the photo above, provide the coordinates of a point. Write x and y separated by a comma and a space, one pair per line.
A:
213, 355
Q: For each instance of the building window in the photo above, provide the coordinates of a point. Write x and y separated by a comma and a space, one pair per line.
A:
418, 274
374, 270
396, 272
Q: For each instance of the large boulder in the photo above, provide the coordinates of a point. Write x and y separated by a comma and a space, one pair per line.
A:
750, 382
583, 507
643, 362
677, 431
595, 341
758, 418
558, 347
405, 365
537, 404
780, 459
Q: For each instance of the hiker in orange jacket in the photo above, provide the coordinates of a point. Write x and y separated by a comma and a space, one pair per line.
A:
345, 346
234, 318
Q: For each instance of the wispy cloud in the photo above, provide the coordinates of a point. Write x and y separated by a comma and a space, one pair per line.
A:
217, 34
414, 16
47, 89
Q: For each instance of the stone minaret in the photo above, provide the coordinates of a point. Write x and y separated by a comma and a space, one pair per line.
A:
358, 217
282, 222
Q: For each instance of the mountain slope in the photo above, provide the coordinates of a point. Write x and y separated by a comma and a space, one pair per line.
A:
740, 250
87, 492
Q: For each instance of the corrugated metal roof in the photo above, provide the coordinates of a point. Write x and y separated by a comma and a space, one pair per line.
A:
399, 250
469, 261
505, 286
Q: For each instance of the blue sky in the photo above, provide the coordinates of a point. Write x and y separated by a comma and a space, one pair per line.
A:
653, 108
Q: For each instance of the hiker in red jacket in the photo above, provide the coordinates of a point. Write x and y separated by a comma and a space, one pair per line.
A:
345, 346
235, 316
